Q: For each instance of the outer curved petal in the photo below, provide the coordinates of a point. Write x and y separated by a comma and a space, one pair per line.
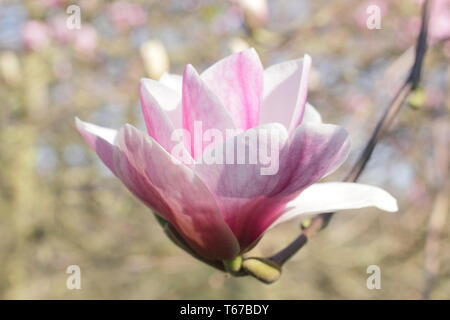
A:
202, 111
285, 92
311, 115
316, 150
159, 126
336, 196
238, 82
173, 81
100, 139
167, 98
165, 185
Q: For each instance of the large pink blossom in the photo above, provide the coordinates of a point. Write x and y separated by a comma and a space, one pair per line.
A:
222, 210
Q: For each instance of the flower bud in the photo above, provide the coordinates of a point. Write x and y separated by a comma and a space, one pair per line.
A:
156, 60
264, 270
233, 266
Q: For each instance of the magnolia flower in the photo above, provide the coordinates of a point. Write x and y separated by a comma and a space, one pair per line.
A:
221, 210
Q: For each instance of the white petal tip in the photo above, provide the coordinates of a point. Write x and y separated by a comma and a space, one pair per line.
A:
146, 82
307, 59
92, 129
389, 205
79, 123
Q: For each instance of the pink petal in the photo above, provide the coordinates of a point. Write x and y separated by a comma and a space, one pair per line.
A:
251, 202
238, 82
235, 169
242, 190
311, 115
201, 108
173, 81
285, 92
165, 185
159, 126
316, 150
175, 192
100, 139
168, 99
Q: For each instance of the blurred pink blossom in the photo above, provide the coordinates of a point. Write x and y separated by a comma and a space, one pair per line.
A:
86, 39
35, 35
356, 102
59, 29
418, 194
440, 20
52, 3
228, 21
435, 97
439, 27
126, 15
83, 40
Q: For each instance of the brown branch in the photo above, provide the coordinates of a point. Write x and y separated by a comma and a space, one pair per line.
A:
441, 207
433, 238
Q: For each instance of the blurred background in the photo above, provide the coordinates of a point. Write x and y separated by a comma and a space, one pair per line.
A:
59, 205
